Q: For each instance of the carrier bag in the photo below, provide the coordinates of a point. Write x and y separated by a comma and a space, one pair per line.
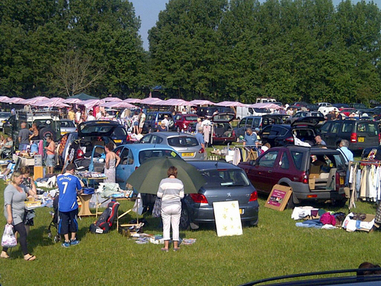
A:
9, 239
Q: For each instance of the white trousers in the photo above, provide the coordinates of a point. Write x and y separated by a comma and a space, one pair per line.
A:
171, 216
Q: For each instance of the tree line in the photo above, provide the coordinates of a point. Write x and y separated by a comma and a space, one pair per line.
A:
301, 50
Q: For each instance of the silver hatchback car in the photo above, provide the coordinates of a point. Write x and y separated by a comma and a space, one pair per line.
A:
185, 144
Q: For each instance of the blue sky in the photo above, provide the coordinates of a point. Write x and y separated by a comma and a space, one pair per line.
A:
148, 10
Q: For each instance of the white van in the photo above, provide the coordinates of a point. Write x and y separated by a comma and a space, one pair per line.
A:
265, 100
243, 111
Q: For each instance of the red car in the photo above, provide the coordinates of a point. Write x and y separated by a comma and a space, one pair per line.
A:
347, 111
185, 122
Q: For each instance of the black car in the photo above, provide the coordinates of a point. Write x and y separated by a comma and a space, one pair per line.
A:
285, 134
360, 133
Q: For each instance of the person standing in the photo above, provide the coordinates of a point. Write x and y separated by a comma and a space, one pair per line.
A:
250, 139
15, 195
343, 148
141, 121
112, 161
71, 114
200, 137
68, 186
50, 153
171, 191
23, 137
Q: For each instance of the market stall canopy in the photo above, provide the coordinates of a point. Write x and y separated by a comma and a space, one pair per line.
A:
52, 102
175, 102
151, 101
112, 99
72, 100
265, 105
2, 98
83, 96
201, 102
118, 104
91, 102
13, 100
231, 104
132, 100
34, 100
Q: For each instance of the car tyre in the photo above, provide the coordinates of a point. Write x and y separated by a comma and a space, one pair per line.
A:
290, 203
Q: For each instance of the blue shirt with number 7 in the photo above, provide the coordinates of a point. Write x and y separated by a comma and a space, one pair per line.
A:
68, 186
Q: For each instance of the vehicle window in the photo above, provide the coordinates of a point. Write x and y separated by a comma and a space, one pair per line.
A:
257, 122
191, 118
249, 122
335, 127
242, 123
120, 132
182, 141
325, 128
144, 155
338, 160
146, 139
126, 157
369, 128
268, 160
151, 117
284, 163
225, 178
347, 127
177, 117
297, 158
67, 124
156, 140
118, 150
266, 130
278, 131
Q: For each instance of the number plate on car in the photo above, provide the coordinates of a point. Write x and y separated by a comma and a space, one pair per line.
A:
361, 139
341, 181
241, 211
187, 154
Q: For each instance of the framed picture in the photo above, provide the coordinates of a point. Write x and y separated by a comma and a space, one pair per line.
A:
278, 197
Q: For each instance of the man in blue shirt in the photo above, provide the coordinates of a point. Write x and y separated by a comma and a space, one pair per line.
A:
250, 139
200, 137
348, 155
68, 185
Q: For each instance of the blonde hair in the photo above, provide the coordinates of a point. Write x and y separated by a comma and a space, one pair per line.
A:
15, 175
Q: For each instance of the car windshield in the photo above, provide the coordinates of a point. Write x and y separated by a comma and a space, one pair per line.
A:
190, 118
67, 124
94, 128
225, 178
182, 141
144, 155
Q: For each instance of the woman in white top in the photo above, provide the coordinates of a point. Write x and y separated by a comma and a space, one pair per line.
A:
171, 191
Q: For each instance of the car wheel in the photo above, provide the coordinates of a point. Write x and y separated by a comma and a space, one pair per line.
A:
184, 219
291, 204
253, 223
44, 132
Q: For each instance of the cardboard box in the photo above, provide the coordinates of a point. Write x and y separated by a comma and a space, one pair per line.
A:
311, 183
364, 225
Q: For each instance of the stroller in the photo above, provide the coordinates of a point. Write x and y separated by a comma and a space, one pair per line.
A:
55, 219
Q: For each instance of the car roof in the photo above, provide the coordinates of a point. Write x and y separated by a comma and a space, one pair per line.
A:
99, 123
146, 146
314, 150
169, 134
209, 164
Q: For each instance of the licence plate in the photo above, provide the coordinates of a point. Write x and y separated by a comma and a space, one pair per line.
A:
360, 139
187, 154
241, 211
118, 141
341, 181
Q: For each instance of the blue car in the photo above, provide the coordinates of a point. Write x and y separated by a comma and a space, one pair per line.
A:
133, 155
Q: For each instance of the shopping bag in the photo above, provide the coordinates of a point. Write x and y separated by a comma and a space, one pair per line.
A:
9, 239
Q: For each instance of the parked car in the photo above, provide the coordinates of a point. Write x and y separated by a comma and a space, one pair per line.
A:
314, 174
348, 111
208, 112
90, 134
302, 114
258, 122
67, 126
133, 155
3, 118
223, 131
284, 134
185, 122
186, 145
360, 133
224, 182
153, 120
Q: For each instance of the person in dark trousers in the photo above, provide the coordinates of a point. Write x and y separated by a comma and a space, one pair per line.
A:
23, 137
68, 186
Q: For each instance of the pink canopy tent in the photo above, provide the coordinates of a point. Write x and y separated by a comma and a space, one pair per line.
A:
13, 100
52, 102
175, 102
132, 100
118, 104
73, 100
92, 102
267, 105
112, 99
201, 102
151, 101
2, 98
231, 104
34, 100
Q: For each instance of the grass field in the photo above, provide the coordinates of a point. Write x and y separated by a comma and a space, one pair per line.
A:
275, 247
